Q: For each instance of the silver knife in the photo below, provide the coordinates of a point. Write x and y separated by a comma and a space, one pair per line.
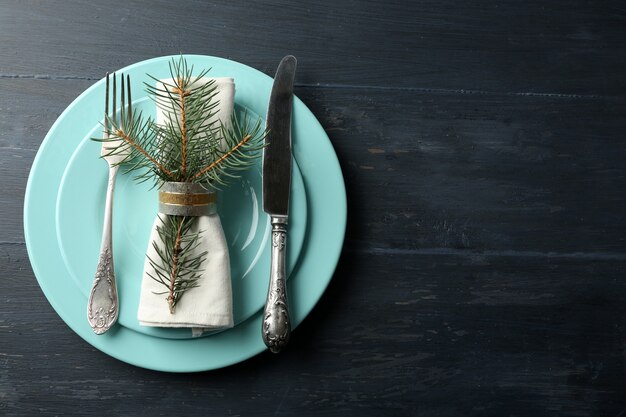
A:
276, 187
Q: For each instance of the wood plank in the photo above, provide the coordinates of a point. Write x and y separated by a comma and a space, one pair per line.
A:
393, 335
480, 172
566, 47
14, 167
30, 107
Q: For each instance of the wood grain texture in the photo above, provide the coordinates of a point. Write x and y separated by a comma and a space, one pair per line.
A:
564, 47
449, 335
486, 172
483, 150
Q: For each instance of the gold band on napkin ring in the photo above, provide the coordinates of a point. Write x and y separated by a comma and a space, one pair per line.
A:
187, 199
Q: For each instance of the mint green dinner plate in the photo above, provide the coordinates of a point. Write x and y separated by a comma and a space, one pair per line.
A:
63, 212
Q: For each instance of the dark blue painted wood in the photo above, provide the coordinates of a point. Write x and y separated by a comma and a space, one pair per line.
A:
483, 150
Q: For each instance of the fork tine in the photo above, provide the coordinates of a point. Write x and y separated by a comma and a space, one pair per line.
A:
122, 104
106, 106
114, 97
130, 101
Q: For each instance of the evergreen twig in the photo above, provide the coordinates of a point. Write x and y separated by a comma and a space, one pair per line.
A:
177, 268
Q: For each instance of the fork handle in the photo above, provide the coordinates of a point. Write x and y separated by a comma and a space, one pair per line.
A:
103, 304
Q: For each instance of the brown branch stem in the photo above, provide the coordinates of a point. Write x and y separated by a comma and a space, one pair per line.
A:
174, 271
183, 128
131, 141
221, 158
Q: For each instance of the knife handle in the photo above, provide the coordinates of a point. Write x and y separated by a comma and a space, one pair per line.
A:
276, 322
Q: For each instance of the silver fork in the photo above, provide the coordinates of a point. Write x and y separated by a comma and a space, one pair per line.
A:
103, 304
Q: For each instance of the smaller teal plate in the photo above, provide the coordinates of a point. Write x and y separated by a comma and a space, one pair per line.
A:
80, 207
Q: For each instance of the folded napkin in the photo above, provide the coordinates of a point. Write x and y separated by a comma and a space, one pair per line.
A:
208, 306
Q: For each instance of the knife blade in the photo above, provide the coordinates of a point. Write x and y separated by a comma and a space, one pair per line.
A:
276, 327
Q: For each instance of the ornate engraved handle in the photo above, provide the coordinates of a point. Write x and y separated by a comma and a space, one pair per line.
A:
276, 323
103, 307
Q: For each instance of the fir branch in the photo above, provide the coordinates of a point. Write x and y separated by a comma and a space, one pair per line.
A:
223, 157
136, 138
242, 140
191, 146
183, 128
178, 268
189, 109
175, 254
119, 133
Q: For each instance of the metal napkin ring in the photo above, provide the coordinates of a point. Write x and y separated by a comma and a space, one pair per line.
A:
187, 199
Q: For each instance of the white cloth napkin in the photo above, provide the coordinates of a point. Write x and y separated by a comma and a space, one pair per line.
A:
208, 306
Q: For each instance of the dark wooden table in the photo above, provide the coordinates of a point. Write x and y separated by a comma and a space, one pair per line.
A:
484, 152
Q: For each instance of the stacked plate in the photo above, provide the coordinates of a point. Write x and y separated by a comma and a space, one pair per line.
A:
63, 219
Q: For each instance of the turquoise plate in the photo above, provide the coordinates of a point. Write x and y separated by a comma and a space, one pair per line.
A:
79, 213
323, 215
